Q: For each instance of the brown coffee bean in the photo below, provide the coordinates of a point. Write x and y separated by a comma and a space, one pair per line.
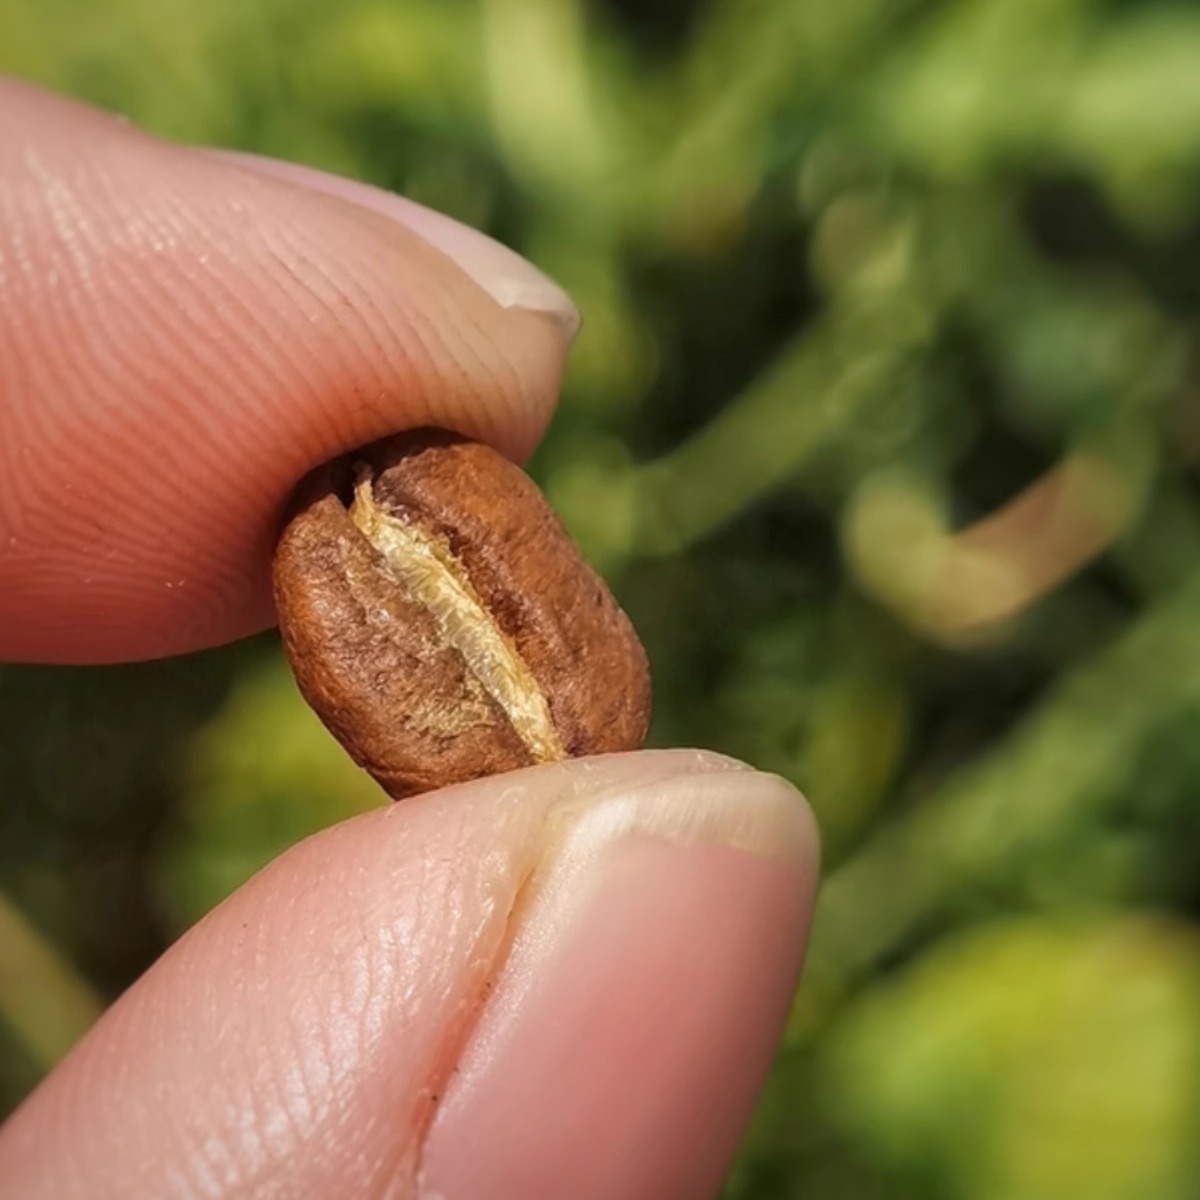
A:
442, 623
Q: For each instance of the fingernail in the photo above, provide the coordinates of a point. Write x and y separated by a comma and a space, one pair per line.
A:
509, 279
652, 964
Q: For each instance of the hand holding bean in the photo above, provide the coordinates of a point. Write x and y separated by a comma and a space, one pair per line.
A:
565, 980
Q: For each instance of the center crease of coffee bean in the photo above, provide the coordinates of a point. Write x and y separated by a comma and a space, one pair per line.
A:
427, 570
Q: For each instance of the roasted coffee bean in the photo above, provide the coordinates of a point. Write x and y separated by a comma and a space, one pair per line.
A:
443, 625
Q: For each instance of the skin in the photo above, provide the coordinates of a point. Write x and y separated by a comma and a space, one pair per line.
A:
566, 981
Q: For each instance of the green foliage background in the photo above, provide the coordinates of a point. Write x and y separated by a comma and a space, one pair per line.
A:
856, 275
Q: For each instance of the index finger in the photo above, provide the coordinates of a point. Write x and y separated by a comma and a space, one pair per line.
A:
183, 336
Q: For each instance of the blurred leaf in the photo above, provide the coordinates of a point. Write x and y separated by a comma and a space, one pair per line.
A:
47, 1005
1032, 1061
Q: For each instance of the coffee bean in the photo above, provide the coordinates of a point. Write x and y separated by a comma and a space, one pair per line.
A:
443, 625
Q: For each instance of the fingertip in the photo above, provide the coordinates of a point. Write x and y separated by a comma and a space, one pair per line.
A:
510, 280
183, 340
651, 968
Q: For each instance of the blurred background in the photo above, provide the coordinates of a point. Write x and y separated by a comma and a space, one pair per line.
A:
884, 426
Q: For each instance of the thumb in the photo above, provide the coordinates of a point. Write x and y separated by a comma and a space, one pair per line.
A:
563, 982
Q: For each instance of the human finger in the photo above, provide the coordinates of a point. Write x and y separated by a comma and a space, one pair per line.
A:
183, 335
567, 981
